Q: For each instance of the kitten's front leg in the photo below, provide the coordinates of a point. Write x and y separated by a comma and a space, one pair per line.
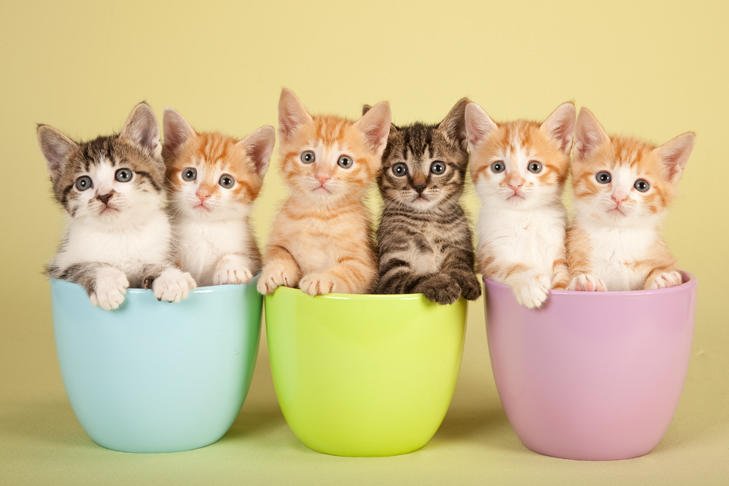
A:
279, 269
353, 274
459, 265
661, 278
169, 284
439, 287
531, 288
106, 285
233, 269
587, 282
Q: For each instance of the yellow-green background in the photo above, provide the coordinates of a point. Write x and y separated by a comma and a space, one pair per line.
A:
652, 69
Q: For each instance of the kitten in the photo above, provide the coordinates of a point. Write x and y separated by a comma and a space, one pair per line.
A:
119, 234
424, 240
321, 239
519, 169
622, 187
213, 181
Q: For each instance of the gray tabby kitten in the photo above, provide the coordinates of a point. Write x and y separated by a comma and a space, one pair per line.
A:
424, 239
118, 235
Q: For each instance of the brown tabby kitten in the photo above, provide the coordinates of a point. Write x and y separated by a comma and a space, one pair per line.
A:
424, 239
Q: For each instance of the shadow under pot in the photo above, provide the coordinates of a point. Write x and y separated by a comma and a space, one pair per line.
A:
153, 376
591, 375
363, 375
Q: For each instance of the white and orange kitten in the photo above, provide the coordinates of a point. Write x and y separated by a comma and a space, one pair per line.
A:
214, 180
518, 169
622, 187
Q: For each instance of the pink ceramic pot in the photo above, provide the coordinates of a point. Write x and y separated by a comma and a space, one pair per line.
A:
591, 375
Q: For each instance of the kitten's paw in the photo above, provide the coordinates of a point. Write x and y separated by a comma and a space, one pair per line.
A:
665, 279
110, 288
318, 283
585, 282
173, 285
273, 276
440, 288
470, 287
532, 292
231, 271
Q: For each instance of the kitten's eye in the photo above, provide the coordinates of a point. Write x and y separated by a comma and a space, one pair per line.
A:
437, 167
308, 156
189, 174
226, 181
642, 185
400, 169
83, 183
498, 166
603, 177
345, 161
535, 167
123, 175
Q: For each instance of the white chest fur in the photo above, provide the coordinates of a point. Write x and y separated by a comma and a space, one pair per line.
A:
614, 251
201, 244
534, 238
126, 246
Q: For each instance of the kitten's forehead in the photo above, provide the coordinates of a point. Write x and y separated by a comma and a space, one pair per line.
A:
420, 142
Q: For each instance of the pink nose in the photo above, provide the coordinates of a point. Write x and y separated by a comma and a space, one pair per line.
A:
202, 196
515, 187
322, 179
618, 198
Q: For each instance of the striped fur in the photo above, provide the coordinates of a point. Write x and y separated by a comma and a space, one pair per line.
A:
119, 234
214, 238
518, 170
614, 242
424, 241
321, 240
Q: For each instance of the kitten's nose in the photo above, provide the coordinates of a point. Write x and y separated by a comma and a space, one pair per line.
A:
618, 198
105, 197
516, 187
322, 179
202, 195
420, 187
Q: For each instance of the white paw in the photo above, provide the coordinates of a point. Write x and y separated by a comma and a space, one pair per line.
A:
317, 283
110, 288
532, 292
273, 276
586, 282
173, 285
231, 270
665, 279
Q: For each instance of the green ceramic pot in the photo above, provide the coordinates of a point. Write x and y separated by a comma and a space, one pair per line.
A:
363, 375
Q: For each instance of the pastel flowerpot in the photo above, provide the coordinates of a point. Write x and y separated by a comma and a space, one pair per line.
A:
153, 376
591, 375
363, 375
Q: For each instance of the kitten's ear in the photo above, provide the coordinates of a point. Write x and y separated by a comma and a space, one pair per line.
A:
177, 131
589, 134
375, 125
560, 126
56, 148
454, 124
259, 146
141, 129
675, 153
478, 124
393, 127
291, 114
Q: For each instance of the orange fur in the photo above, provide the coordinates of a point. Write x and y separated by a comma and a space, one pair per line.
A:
631, 255
321, 240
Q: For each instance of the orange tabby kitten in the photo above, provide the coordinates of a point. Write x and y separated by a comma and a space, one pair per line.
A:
321, 239
622, 188
213, 182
